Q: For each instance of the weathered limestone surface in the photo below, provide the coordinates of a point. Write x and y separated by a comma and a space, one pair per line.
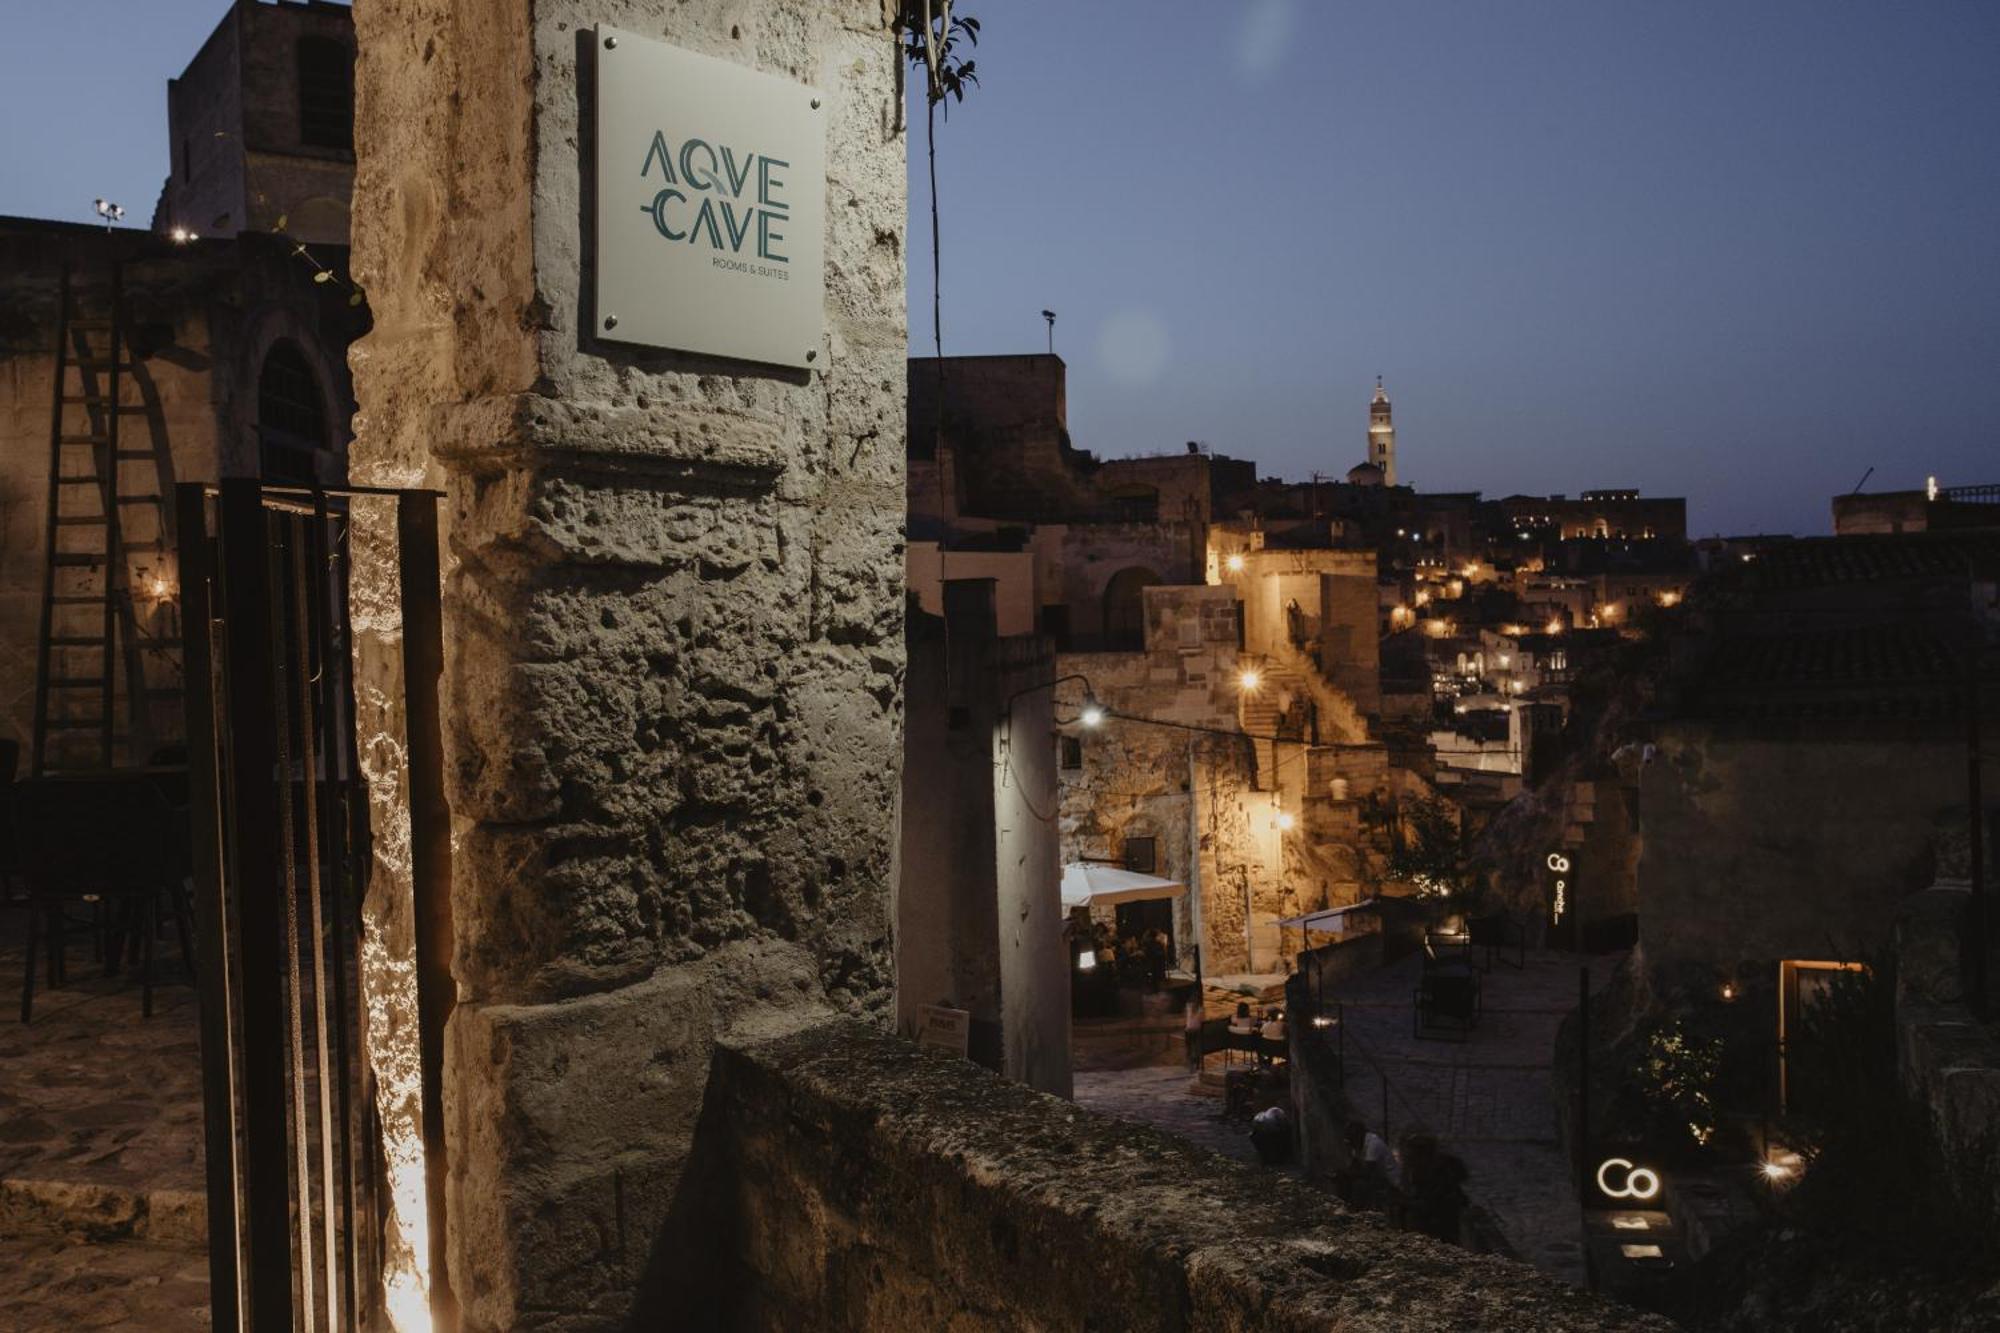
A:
673, 621
860, 1184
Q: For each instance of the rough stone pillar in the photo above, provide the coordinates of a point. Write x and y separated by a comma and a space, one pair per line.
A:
673, 622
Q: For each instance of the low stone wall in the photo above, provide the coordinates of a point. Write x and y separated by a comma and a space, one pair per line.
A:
1950, 1061
851, 1182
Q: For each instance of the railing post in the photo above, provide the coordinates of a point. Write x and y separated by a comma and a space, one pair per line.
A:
196, 558
256, 880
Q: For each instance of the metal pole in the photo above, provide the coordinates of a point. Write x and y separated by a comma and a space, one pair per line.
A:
1976, 838
218, 1081
1582, 1078
257, 884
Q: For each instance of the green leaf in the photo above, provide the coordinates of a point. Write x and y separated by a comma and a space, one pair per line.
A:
279, 225
323, 276
354, 297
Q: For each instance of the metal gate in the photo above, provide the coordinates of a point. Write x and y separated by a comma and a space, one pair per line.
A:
282, 853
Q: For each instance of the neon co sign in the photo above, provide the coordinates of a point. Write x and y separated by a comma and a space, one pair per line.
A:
1560, 865
1639, 1182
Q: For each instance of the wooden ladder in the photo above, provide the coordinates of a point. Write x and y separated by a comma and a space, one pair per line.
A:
87, 620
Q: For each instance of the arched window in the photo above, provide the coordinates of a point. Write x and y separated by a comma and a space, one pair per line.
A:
1125, 608
326, 93
291, 415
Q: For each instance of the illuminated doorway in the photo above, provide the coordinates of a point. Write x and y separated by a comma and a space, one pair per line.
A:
1802, 983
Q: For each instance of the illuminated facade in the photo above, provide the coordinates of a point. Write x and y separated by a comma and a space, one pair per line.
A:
1382, 435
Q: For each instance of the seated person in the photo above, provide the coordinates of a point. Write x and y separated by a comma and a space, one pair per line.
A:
1274, 1026
1368, 1180
1242, 1024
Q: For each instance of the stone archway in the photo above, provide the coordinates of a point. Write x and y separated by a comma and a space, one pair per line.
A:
1124, 608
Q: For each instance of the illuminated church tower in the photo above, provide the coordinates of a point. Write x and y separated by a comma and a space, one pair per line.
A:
1382, 435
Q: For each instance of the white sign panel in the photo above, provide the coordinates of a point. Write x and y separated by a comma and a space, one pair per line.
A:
711, 205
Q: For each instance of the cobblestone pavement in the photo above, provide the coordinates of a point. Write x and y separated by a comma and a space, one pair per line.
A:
50, 1283
101, 1190
91, 1092
1488, 1098
1158, 1095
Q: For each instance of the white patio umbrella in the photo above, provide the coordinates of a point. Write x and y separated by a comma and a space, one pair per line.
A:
1088, 885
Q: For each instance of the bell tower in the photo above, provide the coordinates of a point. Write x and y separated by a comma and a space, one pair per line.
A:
1382, 435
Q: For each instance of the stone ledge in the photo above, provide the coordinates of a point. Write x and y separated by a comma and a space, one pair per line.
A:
668, 440
860, 1183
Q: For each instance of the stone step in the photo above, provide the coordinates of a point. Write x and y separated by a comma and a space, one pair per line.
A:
95, 1212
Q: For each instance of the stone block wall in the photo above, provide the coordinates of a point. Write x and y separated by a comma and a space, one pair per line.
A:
673, 624
1787, 844
859, 1184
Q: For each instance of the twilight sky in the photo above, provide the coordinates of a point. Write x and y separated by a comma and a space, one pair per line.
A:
1739, 250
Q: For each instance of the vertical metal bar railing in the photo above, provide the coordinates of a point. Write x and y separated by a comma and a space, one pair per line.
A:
280, 841
308, 674
334, 716
256, 882
196, 555
276, 553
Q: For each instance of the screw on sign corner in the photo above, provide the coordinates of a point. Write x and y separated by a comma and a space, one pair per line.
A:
611, 321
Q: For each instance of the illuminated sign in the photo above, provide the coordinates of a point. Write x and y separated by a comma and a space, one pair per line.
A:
711, 205
1633, 1182
1559, 906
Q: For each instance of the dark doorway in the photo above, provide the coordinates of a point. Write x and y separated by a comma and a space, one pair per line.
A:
1137, 920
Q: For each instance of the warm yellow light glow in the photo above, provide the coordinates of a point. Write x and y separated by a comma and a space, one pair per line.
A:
409, 1307
1670, 598
1423, 597
1235, 563
1322, 1022
1091, 715
1630, 1222
1502, 660
1776, 1171
1729, 990
1285, 821
1555, 626
1249, 678
1636, 1181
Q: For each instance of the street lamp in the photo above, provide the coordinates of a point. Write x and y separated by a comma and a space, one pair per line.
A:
1249, 678
1235, 563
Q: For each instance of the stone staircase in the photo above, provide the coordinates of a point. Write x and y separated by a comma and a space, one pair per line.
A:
1258, 711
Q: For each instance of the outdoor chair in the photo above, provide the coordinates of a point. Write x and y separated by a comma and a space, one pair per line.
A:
10, 763
1447, 952
1447, 1004
1239, 1094
1245, 1042
1497, 935
100, 854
